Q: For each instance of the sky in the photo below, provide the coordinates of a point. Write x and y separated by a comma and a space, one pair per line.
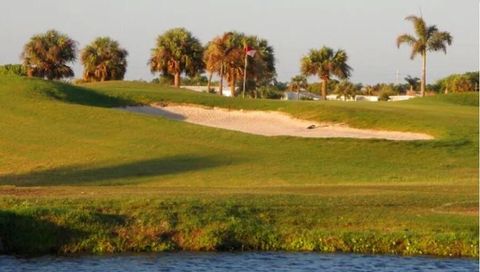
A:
366, 29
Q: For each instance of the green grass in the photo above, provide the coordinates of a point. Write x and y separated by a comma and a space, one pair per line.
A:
97, 179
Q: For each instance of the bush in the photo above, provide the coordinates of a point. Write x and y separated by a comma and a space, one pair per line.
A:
198, 80
386, 90
13, 69
317, 86
270, 92
346, 89
165, 80
306, 98
457, 83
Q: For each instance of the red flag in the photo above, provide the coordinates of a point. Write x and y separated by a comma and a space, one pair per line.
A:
250, 51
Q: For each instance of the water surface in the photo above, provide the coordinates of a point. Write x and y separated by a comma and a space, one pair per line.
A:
249, 261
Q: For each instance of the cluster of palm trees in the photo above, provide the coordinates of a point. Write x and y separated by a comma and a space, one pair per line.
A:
225, 56
47, 55
178, 52
326, 62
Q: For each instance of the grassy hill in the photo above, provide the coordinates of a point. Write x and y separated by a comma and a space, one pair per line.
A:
97, 179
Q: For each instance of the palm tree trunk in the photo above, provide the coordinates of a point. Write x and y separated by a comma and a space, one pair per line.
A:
232, 86
221, 81
233, 83
424, 73
209, 85
176, 81
324, 88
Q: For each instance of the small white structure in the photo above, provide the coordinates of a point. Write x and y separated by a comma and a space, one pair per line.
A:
374, 98
340, 98
401, 97
305, 95
200, 89
225, 91
370, 98
203, 89
302, 95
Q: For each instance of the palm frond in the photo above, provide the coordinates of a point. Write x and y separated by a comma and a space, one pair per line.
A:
419, 26
405, 38
439, 41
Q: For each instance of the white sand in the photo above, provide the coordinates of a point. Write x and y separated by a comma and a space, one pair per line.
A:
268, 123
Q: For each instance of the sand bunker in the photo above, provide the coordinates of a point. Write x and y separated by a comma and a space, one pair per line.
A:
268, 123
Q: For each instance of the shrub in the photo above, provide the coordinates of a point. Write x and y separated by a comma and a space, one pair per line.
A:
346, 90
456, 83
386, 91
13, 69
269, 92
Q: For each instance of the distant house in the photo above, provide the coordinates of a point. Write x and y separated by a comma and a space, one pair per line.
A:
304, 95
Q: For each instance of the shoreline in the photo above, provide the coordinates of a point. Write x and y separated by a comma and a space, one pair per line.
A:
193, 252
223, 223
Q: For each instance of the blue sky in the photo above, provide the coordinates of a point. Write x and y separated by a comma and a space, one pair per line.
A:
365, 29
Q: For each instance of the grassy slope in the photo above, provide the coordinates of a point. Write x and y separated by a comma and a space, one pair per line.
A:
191, 187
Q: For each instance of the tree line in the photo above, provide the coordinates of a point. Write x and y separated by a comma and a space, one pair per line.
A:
178, 52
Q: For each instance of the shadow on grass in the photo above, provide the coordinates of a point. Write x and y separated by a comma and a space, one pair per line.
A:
155, 111
116, 174
79, 95
28, 235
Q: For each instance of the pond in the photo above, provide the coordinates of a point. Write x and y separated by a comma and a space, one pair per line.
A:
248, 261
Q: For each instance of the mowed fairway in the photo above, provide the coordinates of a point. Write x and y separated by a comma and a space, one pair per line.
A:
94, 178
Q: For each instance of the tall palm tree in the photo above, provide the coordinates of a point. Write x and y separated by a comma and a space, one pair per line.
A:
427, 38
103, 59
297, 83
47, 55
177, 51
326, 63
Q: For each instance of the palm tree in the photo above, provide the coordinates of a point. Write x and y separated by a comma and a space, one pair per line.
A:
297, 83
412, 81
46, 55
346, 89
261, 67
372, 89
215, 55
326, 63
428, 38
177, 52
104, 60
225, 56
235, 60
